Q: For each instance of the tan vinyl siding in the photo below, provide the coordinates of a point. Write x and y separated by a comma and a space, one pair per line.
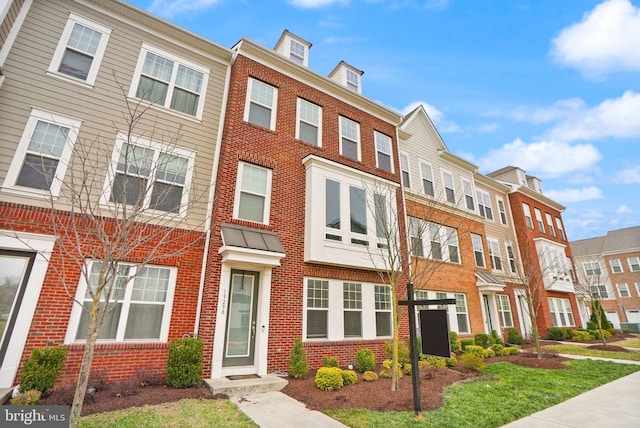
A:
101, 108
9, 20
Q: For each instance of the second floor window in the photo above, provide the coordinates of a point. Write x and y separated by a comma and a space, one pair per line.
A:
253, 193
634, 264
477, 249
261, 104
308, 126
599, 292
552, 229
623, 290
349, 138
384, 159
592, 268
512, 259
494, 254
616, 266
527, 215
539, 219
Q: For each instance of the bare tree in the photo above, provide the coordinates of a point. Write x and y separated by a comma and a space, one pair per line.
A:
590, 285
113, 230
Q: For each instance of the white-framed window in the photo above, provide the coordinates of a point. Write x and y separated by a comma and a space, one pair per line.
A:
561, 314
332, 210
638, 288
552, 229
349, 138
384, 159
404, 167
462, 313
382, 300
450, 193
297, 52
592, 268
80, 49
527, 215
353, 80
416, 234
169, 81
494, 254
484, 205
358, 215
623, 290
504, 308
560, 229
478, 251
352, 304
522, 178
309, 122
317, 309
434, 241
253, 193
43, 153
634, 263
457, 313
381, 215
502, 211
538, 214
150, 175
261, 104
142, 298
599, 292
513, 267
467, 188
426, 174
616, 266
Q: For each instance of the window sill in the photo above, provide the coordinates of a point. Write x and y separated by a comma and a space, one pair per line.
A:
26, 192
70, 79
194, 119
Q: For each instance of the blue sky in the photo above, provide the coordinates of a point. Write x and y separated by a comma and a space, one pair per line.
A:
550, 86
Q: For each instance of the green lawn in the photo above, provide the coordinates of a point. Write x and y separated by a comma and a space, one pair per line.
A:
582, 350
517, 392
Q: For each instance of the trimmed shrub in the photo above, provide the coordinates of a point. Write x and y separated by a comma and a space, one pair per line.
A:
452, 361
488, 353
498, 349
466, 342
453, 340
511, 350
184, 365
42, 368
403, 352
386, 369
329, 378
349, 377
27, 398
433, 362
330, 361
481, 339
369, 376
474, 349
407, 369
514, 336
583, 336
472, 361
557, 333
365, 360
298, 362
598, 336
495, 338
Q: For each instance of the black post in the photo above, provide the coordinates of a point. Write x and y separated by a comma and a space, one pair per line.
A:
413, 348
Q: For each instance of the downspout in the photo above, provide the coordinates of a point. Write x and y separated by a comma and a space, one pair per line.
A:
210, 203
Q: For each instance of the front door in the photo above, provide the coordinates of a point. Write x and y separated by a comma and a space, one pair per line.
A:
15, 268
239, 343
487, 313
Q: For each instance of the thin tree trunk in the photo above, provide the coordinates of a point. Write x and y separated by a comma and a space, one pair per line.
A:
396, 342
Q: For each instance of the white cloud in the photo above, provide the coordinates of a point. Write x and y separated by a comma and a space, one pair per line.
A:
631, 175
443, 124
313, 4
623, 209
605, 40
560, 110
575, 195
544, 159
169, 8
487, 128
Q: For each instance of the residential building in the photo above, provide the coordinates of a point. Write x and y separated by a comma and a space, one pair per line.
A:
101, 103
543, 246
609, 270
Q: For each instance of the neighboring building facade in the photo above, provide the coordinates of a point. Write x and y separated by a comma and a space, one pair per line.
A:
101, 103
609, 270
543, 246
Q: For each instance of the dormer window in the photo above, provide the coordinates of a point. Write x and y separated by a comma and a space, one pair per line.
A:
293, 47
296, 52
347, 76
353, 80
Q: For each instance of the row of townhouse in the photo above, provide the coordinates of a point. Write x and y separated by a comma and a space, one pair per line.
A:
283, 190
609, 271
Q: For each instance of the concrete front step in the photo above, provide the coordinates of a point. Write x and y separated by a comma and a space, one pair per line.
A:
5, 394
265, 383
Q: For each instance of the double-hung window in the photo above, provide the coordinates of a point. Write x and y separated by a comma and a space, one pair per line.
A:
552, 229
352, 304
560, 229
527, 215
512, 258
297, 52
467, 187
168, 81
623, 290
80, 49
539, 219
478, 252
416, 235
462, 313
494, 254
261, 103
381, 214
317, 309
561, 314
634, 263
253, 193
502, 211
353, 80
404, 167
383, 310
349, 138
426, 173
309, 123
599, 292
616, 266
43, 154
444, 243
592, 268
504, 307
149, 175
484, 205
450, 194
384, 159
141, 298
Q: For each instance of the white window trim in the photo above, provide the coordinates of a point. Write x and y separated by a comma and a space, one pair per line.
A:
422, 178
267, 196
481, 251
158, 148
637, 259
617, 264
561, 305
62, 47
561, 233
493, 244
623, 285
388, 311
638, 288
539, 221
424, 227
299, 119
466, 182
346, 72
135, 82
502, 311
444, 186
17, 162
550, 226
483, 199
508, 245
390, 154
527, 215
76, 311
405, 156
500, 201
358, 136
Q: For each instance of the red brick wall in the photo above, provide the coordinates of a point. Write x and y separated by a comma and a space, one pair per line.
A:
51, 318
